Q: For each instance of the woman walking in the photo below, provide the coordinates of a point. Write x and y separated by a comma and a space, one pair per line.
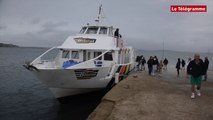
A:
178, 67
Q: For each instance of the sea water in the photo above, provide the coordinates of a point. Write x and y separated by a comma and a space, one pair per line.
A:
24, 97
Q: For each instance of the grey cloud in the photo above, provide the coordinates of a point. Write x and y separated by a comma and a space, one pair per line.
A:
56, 37
35, 21
51, 27
146, 23
2, 27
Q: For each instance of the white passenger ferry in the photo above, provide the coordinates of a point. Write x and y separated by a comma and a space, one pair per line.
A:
85, 62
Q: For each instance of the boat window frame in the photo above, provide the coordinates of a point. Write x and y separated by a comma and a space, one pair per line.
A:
88, 55
110, 33
65, 54
82, 31
75, 57
90, 27
106, 58
100, 29
99, 53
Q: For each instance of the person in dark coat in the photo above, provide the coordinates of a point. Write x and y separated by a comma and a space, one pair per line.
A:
143, 63
165, 63
138, 60
155, 65
178, 67
140, 63
206, 65
150, 63
196, 70
116, 33
183, 64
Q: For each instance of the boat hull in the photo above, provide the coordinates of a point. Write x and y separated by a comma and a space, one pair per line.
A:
74, 78
61, 92
67, 82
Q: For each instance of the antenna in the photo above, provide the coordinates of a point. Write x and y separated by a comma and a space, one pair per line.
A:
98, 19
100, 8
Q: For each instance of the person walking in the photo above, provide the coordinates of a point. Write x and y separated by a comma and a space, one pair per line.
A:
138, 60
140, 63
165, 63
160, 66
178, 67
143, 63
196, 70
206, 65
150, 63
155, 65
183, 64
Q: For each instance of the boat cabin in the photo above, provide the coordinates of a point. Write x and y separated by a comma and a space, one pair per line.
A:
95, 43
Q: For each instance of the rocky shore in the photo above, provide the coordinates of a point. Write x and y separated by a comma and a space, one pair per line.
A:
160, 97
7, 45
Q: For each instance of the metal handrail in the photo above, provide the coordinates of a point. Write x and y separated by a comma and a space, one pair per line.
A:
39, 57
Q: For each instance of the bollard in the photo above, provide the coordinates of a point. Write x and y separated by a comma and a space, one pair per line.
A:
116, 78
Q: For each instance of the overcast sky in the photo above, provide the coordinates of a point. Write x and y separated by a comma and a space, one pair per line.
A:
145, 24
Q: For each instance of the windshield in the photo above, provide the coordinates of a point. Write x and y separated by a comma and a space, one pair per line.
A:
82, 30
103, 30
92, 30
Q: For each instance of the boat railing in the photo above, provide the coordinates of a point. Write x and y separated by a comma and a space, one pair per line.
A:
38, 60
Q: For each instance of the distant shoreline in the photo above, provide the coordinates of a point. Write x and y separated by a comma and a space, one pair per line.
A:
16, 46
7, 45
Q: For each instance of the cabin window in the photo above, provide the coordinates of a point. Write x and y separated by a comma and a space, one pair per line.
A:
75, 55
108, 56
66, 54
110, 31
84, 55
92, 30
96, 54
103, 30
88, 55
82, 30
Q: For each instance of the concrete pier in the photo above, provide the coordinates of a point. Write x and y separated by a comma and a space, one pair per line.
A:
161, 97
